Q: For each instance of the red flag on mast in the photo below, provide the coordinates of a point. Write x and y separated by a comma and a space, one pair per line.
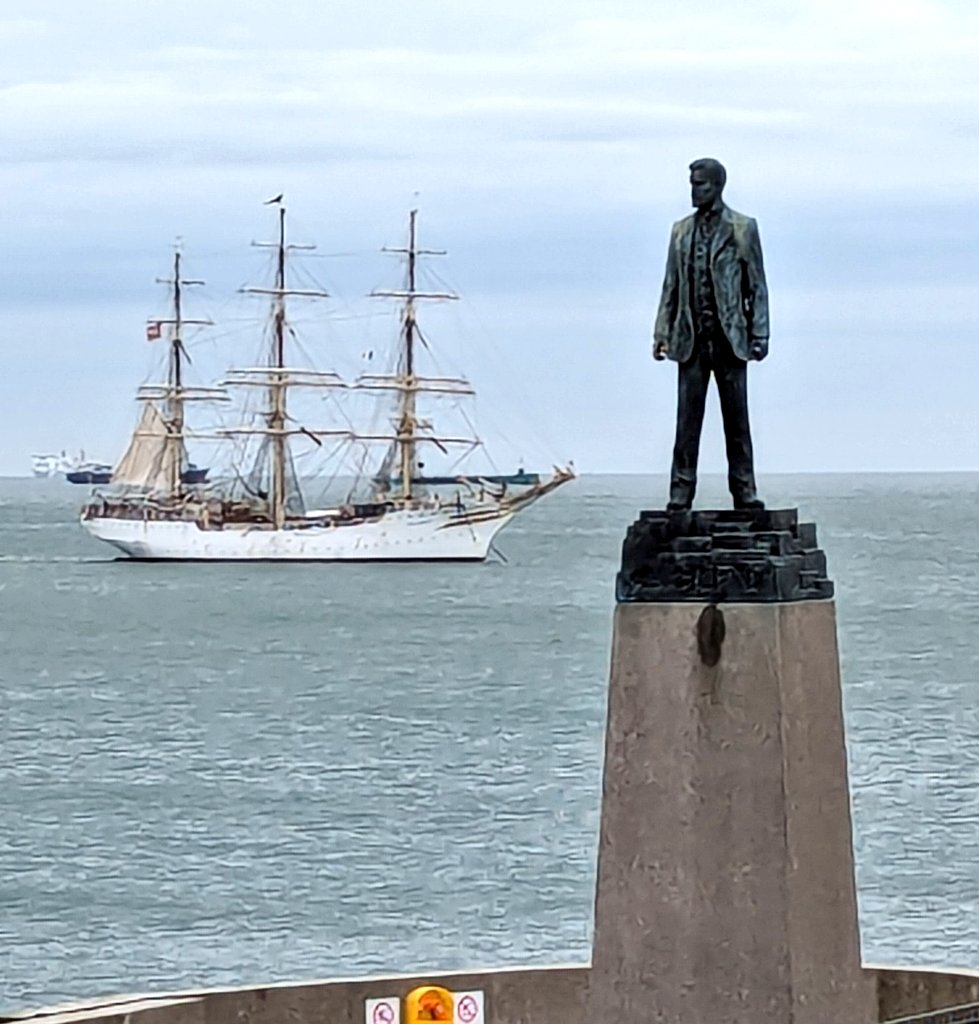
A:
154, 330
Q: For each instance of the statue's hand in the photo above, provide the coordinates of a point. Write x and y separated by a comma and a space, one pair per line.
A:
659, 350
759, 348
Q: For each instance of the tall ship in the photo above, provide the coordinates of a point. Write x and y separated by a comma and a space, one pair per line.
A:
395, 511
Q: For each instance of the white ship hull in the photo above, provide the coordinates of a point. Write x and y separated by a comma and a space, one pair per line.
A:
398, 536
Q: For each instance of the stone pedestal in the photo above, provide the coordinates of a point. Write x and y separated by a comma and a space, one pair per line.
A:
725, 877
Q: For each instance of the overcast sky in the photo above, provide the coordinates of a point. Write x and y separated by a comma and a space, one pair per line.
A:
546, 145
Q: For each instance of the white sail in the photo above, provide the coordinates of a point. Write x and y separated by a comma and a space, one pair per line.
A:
152, 461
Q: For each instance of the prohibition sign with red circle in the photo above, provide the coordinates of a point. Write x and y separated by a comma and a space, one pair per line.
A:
383, 1014
468, 1009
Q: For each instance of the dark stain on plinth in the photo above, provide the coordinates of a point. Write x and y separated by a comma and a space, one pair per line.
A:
711, 630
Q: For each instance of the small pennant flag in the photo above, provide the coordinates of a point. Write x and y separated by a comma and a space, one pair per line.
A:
154, 331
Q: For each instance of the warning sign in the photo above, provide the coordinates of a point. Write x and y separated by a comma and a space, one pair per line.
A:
470, 1008
429, 1003
382, 1011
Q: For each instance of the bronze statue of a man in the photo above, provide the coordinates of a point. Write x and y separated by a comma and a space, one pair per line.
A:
713, 318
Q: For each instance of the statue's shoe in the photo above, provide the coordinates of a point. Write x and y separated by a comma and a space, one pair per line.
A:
749, 503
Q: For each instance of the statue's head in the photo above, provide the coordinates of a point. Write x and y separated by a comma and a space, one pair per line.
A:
707, 178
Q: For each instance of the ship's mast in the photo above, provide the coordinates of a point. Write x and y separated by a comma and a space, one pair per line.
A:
406, 426
408, 382
279, 376
277, 390
175, 391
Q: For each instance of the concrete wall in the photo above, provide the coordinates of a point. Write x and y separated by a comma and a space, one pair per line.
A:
520, 996
905, 991
513, 996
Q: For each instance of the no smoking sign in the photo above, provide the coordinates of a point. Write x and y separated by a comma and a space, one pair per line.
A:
469, 1008
382, 1011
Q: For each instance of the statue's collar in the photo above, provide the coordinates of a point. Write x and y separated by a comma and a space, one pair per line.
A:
714, 212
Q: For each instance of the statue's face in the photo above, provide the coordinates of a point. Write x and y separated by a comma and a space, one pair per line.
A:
703, 189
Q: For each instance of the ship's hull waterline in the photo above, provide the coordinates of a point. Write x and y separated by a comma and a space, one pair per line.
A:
399, 536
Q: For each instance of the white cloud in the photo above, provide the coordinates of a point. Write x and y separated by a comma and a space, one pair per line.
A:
549, 143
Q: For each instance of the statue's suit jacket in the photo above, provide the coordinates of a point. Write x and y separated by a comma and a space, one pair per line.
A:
738, 275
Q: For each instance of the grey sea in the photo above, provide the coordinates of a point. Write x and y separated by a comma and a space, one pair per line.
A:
217, 775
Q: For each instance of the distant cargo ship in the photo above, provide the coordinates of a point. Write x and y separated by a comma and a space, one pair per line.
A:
101, 473
89, 473
82, 471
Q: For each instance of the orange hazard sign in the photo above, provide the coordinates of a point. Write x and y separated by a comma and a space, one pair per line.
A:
429, 1003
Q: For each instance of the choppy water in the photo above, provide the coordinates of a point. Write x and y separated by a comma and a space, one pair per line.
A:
211, 775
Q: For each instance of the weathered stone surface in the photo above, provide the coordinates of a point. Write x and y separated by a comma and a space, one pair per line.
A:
725, 879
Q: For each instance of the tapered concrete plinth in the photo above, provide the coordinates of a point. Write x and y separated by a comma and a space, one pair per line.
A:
725, 876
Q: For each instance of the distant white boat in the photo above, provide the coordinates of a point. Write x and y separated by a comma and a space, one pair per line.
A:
75, 471
47, 465
266, 519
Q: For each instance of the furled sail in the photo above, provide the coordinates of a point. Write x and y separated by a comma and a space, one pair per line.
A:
152, 461
258, 483
382, 478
